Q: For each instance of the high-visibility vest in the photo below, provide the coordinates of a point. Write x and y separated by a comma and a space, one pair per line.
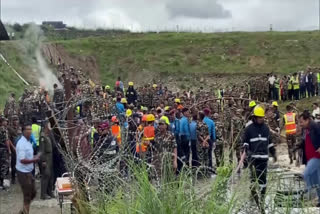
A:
318, 77
93, 131
116, 132
296, 84
290, 123
277, 83
148, 135
36, 129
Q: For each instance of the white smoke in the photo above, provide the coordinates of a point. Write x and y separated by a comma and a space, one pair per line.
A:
32, 42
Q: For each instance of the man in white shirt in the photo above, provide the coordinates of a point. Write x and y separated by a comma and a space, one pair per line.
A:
24, 166
271, 80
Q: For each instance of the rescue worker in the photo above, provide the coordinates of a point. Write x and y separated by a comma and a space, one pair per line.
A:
131, 94
256, 146
46, 163
116, 129
290, 124
148, 136
296, 86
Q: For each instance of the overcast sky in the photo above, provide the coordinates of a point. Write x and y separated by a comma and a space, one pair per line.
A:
142, 15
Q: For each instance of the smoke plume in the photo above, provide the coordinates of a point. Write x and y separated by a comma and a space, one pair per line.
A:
32, 42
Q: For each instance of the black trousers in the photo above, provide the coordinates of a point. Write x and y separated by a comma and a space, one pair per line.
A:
183, 152
210, 153
258, 168
194, 152
13, 166
296, 94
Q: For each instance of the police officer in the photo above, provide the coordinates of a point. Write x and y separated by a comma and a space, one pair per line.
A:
257, 145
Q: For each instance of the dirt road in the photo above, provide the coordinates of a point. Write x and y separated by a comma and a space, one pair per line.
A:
11, 202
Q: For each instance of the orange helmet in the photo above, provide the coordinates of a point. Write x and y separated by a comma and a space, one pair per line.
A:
114, 119
144, 118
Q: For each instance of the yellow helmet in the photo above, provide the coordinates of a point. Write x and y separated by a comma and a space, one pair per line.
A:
107, 87
150, 118
155, 85
124, 100
252, 104
130, 83
167, 108
275, 103
165, 118
258, 111
177, 100
128, 112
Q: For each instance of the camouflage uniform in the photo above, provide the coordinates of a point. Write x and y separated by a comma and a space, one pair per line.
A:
11, 108
237, 128
4, 162
203, 153
162, 152
220, 142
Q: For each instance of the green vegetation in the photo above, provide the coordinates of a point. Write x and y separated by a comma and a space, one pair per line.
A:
9, 82
188, 53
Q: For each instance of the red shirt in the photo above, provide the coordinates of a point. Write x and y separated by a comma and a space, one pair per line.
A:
309, 148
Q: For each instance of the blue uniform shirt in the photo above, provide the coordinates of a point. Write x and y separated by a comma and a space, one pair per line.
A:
120, 107
193, 130
184, 127
211, 126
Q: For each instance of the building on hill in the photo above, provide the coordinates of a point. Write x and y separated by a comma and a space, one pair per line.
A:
57, 25
3, 32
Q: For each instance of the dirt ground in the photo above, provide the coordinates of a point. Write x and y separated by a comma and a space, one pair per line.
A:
11, 202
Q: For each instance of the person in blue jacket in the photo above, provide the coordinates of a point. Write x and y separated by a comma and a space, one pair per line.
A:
212, 131
184, 132
193, 138
120, 106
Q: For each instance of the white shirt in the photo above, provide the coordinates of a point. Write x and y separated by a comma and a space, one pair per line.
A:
24, 150
271, 80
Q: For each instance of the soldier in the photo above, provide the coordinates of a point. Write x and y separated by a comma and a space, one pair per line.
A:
164, 150
14, 132
58, 98
46, 164
203, 143
220, 142
237, 128
11, 107
5, 150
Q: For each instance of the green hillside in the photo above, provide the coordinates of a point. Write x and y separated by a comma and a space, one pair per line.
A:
178, 55
9, 82
185, 53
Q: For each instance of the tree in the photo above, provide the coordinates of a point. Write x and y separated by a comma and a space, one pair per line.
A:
17, 27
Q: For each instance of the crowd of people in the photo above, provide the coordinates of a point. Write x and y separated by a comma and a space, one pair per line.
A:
195, 129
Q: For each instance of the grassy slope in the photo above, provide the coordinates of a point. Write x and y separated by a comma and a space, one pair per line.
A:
9, 82
172, 53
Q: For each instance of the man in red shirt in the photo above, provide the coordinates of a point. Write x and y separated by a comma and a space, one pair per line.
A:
311, 152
